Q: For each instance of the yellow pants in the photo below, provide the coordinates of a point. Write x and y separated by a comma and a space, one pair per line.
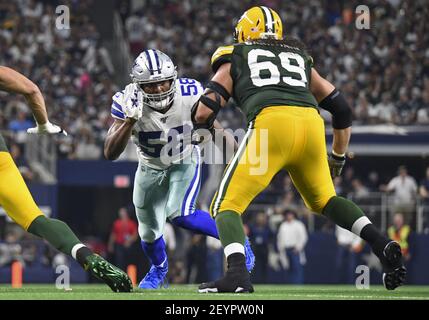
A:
15, 197
289, 138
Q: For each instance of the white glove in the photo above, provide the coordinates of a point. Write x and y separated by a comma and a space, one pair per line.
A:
48, 128
133, 112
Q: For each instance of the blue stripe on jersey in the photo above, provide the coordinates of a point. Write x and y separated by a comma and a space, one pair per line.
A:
117, 114
150, 61
117, 106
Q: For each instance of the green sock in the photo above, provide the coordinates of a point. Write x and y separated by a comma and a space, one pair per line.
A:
349, 216
230, 228
343, 212
59, 235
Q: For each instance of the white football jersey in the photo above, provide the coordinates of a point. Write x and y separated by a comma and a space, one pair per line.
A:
154, 130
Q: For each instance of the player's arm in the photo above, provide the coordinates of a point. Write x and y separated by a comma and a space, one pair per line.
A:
117, 137
333, 101
330, 99
214, 98
14, 82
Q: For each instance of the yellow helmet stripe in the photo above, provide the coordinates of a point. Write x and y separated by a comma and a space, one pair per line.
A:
269, 19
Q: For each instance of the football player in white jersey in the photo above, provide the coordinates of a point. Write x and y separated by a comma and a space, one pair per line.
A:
155, 112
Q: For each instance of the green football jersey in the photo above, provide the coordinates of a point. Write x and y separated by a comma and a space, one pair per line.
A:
2, 144
270, 73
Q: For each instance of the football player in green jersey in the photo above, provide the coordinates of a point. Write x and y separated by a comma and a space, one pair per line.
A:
274, 82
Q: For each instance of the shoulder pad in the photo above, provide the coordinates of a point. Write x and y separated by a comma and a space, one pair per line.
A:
220, 56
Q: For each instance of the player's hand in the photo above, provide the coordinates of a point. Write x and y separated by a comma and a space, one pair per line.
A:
46, 128
132, 112
336, 164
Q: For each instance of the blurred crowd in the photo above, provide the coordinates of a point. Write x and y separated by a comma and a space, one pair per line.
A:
384, 71
71, 68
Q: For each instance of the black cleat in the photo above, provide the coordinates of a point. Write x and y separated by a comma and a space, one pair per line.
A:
233, 282
394, 271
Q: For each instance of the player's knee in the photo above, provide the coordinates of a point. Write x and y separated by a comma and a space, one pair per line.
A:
149, 235
319, 205
228, 205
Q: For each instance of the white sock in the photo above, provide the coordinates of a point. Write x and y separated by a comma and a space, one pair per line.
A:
359, 224
75, 249
234, 247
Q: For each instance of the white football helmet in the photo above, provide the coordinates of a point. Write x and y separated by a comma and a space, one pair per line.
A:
154, 66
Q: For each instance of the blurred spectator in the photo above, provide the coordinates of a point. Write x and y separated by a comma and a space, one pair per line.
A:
122, 236
359, 190
196, 260
19, 127
87, 149
424, 193
424, 187
21, 163
423, 109
399, 231
291, 241
373, 181
11, 250
261, 238
349, 245
404, 189
214, 259
169, 238
177, 272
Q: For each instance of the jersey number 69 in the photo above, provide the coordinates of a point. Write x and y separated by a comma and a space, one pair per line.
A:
258, 70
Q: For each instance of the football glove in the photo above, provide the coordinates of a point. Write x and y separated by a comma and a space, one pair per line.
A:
134, 113
336, 164
46, 128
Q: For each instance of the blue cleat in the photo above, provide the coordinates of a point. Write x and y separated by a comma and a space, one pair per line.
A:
155, 278
250, 257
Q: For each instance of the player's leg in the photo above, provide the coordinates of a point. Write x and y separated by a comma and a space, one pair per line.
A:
185, 182
17, 201
311, 176
250, 172
149, 198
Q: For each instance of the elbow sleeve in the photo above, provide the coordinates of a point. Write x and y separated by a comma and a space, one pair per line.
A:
341, 112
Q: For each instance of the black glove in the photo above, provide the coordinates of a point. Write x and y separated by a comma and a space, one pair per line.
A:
336, 164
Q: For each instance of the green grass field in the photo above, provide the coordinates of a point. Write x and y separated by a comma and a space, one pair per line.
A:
189, 292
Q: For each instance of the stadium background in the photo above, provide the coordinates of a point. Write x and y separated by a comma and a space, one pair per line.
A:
384, 72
